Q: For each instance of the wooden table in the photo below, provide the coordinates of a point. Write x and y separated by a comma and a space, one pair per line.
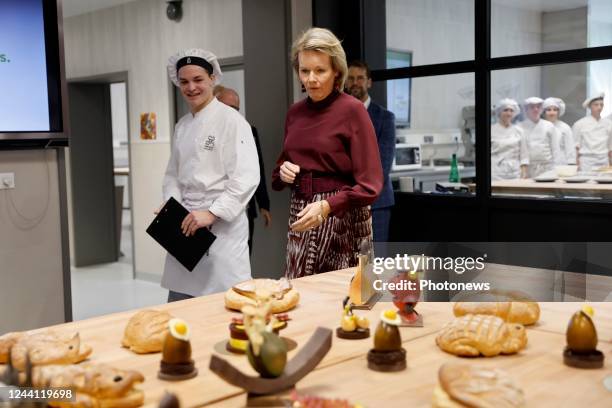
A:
343, 372
559, 188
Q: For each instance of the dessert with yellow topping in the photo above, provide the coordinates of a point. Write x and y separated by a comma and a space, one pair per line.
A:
388, 353
176, 363
352, 327
581, 336
239, 341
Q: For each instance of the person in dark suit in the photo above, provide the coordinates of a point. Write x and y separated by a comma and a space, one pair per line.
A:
357, 84
229, 97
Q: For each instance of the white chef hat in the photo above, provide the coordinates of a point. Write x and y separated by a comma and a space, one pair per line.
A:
505, 104
587, 101
194, 56
533, 100
556, 102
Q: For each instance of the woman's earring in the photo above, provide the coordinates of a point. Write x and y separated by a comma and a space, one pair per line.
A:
303, 88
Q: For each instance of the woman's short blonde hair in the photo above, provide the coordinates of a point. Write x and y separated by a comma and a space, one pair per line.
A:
322, 40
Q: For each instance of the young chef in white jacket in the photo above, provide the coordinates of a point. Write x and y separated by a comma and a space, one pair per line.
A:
509, 152
213, 171
554, 108
542, 139
593, 136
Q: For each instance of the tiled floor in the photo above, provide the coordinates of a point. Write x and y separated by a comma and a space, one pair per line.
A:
108, 288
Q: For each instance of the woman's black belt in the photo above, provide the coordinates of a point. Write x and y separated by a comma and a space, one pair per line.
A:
307, 184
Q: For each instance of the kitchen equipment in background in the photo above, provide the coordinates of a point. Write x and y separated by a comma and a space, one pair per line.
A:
406, 184
437, 145
407, 157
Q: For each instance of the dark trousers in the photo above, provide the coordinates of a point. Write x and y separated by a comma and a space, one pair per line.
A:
380, 224
380, 228
251, 229
176, 296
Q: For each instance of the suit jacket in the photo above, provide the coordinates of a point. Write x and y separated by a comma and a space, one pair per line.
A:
261, 194
384, 125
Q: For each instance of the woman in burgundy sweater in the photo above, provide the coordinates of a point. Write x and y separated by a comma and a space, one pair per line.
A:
330, 161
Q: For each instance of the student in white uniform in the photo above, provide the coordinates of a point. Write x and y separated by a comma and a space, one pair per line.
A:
509, 152
213, 171
542, 139
554, 108
593, 136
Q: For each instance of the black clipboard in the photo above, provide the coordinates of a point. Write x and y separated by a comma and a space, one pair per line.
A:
166, 230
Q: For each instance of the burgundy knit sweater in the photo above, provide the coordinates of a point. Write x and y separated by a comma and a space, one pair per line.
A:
334, 136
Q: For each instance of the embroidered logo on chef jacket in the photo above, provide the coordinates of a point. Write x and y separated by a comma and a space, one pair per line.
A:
206, 142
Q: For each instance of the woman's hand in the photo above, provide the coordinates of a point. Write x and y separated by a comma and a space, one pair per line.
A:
288, 171
195, 220
311, 216
267, 216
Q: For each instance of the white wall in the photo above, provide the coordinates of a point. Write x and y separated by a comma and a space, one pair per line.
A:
438, 31
31, 265
137, 38
434, 30
599, 34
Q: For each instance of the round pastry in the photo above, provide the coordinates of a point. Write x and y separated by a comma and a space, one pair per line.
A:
146, 331
525, 313
465, 385
242, 294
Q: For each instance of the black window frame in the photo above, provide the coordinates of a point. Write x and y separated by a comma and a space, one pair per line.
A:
482, 66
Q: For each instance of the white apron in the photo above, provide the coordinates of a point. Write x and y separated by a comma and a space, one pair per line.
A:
508, 152
543, 142
590, 163
594, 141
213, 166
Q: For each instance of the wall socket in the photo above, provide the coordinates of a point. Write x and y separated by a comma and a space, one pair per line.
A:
7, 180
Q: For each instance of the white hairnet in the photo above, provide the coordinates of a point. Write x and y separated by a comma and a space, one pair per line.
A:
507, 103
534, 100
556, 102
194, 52
588, 101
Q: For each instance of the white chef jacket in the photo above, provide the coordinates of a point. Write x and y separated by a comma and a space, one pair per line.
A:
594, 140
213, 166
508, 152
567, 145
543, 143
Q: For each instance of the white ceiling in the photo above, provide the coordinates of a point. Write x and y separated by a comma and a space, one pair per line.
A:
76, 7
543, 5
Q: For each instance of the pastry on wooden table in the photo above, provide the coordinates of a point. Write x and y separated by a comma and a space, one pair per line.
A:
388, 354
146, 331
475, 335
176, 363
581, 336
47, 347
352, 327
239, 340
285, 297
95, 385
525, 313
466, 385
7, 341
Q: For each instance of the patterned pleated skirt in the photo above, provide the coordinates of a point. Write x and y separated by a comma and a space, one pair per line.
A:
333, 245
